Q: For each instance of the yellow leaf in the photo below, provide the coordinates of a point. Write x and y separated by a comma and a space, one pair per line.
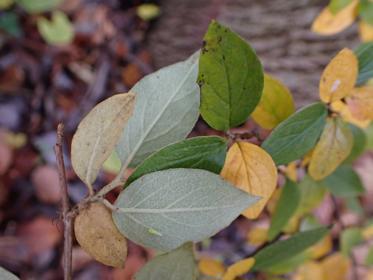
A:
148, 11
320, 249
211, 267
328, 24
309, 271
365, 31
276, 104
339, 77
272, 203
291, 171
292, 225
360, 103
333, 148
336, 266
251, 169
257, 236
306, 159
239, 268
342, 109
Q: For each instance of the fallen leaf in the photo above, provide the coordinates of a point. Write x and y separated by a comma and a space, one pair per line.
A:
211, 267
257, 236
97, 235
46, 182
251, 169
309, 271
328, 24
333, 148
336, 266
239, 268
339, 77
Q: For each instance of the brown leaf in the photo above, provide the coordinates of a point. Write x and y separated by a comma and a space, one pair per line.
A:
46, 183
97, 235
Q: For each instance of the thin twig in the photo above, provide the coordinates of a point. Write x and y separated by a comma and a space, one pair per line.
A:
67, 219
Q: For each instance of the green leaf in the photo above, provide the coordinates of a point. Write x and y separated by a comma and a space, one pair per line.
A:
10, 24
6, 275
366, 11
167, 107
297, 135
353, 203
148, 11
312, 193
230, 77
180, 205
38, 6
337, 5
369, 135
58, 31
112, 164
289, 265
200, 153
344, 182
285, 249
360, 141
286, 207
369, 257
178, 264
364, 54
350, 238
309, 222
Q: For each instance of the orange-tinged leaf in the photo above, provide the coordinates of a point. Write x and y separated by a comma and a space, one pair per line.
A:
276, 104
336, 266
323, 247
360, 103
328, 24
309, 271
342, 109
339, 77
333, 148
257, 236
211, 267
239, 268
251, 169
365, 31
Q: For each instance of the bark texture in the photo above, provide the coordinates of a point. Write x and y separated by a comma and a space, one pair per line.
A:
279, 30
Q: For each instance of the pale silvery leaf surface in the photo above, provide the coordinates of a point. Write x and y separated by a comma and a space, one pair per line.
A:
166, 110
165, 209
178, 264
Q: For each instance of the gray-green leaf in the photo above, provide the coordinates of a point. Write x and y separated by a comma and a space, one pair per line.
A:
360, 142
175, 265
344, 182
6, 275
165, 209
297, 135
286, 207
230, 76
364, 54
166, 110
200, 153
285, 249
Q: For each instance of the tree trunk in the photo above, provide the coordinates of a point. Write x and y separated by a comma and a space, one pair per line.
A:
279, 30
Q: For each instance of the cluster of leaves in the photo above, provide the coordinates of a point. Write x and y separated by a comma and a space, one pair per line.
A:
184, 191
176, 196
58, 30
340, 14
